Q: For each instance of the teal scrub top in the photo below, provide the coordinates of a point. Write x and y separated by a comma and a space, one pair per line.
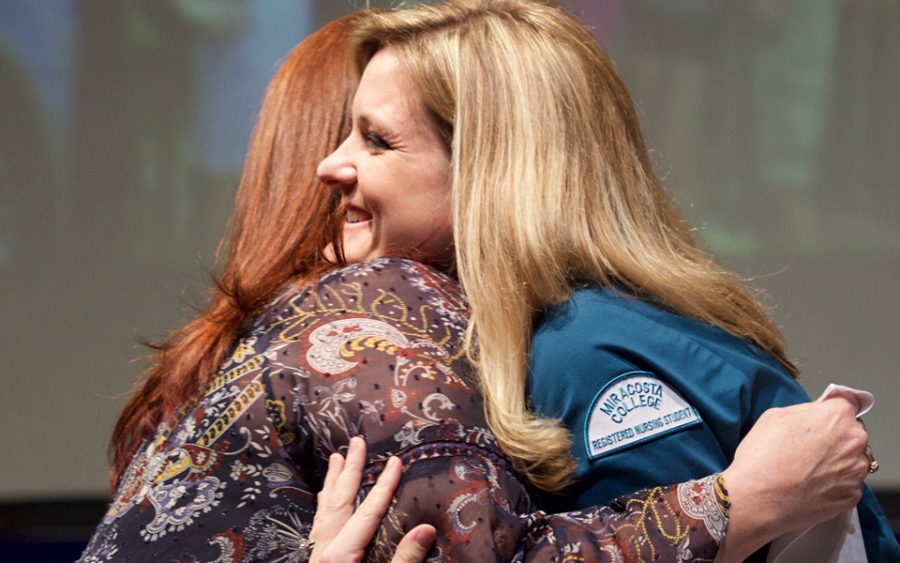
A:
653, 397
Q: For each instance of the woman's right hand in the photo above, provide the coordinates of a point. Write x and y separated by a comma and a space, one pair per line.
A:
342, 534
797, 466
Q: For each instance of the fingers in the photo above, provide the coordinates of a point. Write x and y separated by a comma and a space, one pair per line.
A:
335, 465
839, 413
846, 403
847, 398
863, 463
342, 534
336, 500
347, 482
414, 546
360, 528
323, 518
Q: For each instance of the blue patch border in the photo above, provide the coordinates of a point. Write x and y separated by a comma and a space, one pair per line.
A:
626, 375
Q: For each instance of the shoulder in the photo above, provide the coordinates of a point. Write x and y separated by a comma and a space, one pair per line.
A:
351, 321
595, 316
341, 323
395, 275
609, 327
610, 316
619, 313
389, 289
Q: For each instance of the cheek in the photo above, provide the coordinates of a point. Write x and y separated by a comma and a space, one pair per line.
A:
418, 219
434, 217
412, 208
441, 201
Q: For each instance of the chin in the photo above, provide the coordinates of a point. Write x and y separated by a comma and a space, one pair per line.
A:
357, 255
356, 250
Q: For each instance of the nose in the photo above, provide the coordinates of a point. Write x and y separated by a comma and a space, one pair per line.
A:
337, 170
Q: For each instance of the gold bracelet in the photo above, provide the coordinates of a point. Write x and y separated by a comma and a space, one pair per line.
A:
722, 497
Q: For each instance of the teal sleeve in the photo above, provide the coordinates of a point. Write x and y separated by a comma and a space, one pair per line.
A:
582, 346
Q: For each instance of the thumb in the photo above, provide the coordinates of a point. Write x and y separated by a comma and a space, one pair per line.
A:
414, 546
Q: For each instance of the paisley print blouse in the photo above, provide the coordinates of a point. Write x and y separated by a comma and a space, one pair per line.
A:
374, 349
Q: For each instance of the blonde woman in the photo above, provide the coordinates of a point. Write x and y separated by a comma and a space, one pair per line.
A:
538, 173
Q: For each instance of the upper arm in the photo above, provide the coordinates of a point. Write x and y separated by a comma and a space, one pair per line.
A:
694, 392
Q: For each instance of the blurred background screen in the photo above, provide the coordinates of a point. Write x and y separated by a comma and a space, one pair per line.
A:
123, 125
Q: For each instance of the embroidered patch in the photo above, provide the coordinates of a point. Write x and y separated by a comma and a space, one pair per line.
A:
633, 408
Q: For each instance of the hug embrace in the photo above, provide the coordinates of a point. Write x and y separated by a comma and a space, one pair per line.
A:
448, 239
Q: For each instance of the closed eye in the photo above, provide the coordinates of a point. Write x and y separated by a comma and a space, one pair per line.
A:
376, 142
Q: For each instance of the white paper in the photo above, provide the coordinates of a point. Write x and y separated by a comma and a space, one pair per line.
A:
866, 399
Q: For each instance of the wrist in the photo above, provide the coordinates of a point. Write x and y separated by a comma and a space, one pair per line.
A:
720, 488
750, 525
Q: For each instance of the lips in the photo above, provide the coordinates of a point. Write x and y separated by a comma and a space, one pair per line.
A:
357, 215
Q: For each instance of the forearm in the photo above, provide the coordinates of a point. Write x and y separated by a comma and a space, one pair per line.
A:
480, 509
682, 522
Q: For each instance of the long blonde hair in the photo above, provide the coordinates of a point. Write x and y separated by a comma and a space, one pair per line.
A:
552, 184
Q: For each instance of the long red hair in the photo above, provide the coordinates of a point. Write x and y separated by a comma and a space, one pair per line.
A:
282, 222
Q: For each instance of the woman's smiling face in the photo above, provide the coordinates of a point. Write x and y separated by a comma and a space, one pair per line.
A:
393, 170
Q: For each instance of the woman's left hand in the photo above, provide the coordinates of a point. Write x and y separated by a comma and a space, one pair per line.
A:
339, 533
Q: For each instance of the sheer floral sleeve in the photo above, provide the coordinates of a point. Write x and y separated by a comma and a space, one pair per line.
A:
374, 350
